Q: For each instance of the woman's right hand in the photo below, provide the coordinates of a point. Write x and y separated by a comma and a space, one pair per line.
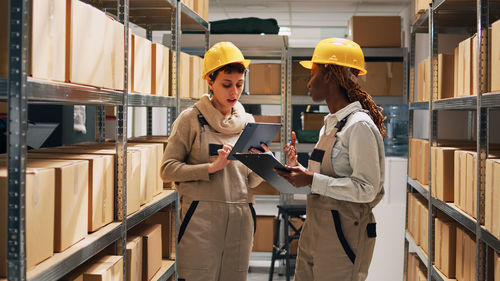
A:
291, 151
221, 162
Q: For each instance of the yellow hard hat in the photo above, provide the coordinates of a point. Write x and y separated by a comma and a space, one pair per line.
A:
338, 51
221, 54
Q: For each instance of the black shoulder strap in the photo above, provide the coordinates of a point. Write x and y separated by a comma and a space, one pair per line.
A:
202, 120
340, 125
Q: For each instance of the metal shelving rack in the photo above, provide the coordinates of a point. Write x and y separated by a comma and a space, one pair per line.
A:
19, 90
371, 54
456, 18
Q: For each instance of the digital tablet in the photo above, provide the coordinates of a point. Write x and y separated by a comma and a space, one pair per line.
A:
253, 135
264, 165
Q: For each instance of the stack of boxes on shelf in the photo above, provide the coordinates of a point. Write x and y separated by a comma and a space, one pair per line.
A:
89, 50
191, 84
88, 205
383, 78
144, 257
198, 6
462, 81
416, 269
418, 218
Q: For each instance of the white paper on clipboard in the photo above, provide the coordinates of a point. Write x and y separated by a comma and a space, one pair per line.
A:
264, 165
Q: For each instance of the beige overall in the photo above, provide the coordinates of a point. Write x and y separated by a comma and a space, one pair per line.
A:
218, 220
338, 237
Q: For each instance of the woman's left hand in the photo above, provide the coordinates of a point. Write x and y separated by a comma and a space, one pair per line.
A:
297, 176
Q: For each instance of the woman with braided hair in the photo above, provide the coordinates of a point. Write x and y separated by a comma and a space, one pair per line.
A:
345, 170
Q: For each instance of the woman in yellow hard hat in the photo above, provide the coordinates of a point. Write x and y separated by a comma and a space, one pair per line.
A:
345, 170
218, 220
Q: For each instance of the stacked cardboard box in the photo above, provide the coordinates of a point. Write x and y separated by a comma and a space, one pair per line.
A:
198, 86
419, 160
492, 196
96, 47
416, 269
160, 67
424, 80
442, 161
263, 238
365, 30
265, 79
418, 218
141, 65
151, 248
300, 78
465, 255
445, 246
39, 209
134, 258
497, 266
164, 218
100, 188
71, 200
495, 56
383, 79
313, 120
133, 168
107, 268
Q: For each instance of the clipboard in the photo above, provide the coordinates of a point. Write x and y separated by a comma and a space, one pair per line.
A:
253, 135
264, 165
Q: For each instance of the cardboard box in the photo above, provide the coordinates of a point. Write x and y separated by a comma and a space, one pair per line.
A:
100, 188
133, 169
420, 6
148, 171
71, 200
263, 238
39, 208
470, 186
492, 197
108, 268
265, 79
495, 56
445, 246
269, 119
154, 183
443, 173
159, 140
464, 67
365, 30
420, 81
413, 158
134, 258
409, 214
151, 248
114, 53
160, 70
300, 79
184, 75
313, 120
446, 62
141, 65
423, 155
470, 254
96, 47
424, 227
164, 218
383, 79
427, 79
461, 257
4, 39
48, 40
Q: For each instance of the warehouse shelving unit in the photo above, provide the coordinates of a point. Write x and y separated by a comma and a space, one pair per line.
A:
371, 54
19, 90
456, 18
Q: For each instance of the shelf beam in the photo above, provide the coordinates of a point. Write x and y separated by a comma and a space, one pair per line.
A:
159, 202
455, 213
418, 250
491, 240
418, 187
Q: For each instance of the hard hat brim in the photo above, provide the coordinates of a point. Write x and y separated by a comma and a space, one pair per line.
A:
245, 63
308, 64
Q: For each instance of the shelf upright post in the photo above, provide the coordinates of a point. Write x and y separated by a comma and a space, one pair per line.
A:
100, 124
177, 49
433, 57
121, 140
283, 97
16, 139
482, 132
149, 109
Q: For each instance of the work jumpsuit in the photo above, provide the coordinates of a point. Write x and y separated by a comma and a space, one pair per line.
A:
218, 220
338, 237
